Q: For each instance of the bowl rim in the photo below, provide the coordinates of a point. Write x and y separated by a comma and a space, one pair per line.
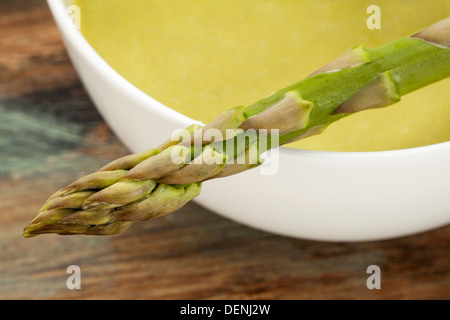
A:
83, 47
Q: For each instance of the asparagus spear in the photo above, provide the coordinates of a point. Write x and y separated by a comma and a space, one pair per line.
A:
151, 184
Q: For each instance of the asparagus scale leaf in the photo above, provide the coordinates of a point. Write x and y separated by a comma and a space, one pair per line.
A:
159, 181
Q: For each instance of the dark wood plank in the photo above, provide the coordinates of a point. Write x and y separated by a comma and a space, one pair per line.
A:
50, 133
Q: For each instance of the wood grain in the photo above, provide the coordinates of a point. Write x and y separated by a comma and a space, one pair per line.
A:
51, 133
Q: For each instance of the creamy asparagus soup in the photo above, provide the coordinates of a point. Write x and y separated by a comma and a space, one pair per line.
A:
201, 57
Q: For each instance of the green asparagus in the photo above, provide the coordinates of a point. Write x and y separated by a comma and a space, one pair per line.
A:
152, 184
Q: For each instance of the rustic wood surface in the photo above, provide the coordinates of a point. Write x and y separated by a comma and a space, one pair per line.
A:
50, 133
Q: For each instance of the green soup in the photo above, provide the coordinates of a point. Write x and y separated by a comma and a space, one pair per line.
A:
201, 57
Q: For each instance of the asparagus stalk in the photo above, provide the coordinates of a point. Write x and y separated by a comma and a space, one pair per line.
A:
151, 184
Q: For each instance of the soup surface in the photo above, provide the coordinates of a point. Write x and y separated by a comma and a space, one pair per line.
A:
201, 57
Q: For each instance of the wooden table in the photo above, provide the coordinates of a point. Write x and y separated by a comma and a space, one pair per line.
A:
50, 133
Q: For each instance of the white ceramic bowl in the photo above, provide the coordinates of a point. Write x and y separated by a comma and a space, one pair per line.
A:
327, 196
